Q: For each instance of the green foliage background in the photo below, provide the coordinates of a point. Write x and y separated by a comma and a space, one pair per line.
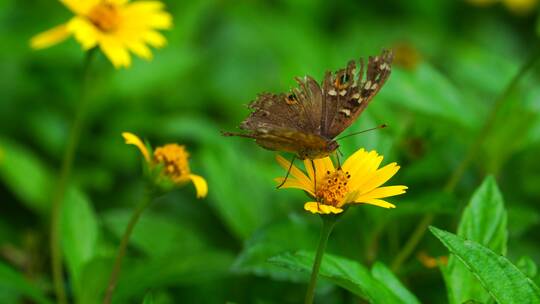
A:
233, 245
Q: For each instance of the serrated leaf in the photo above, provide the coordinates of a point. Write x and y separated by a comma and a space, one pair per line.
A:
12, 280
343, 272
80, 233
504, 282
483, 221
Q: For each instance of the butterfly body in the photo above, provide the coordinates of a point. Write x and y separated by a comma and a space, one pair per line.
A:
306, 120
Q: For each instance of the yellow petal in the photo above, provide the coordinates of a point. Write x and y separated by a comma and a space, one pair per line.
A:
51, 37
132, 139
354, 160
381, 193
299, 176
80, 7
321, 166
293, 183
365, 169
315, 207
378, 178
378, 202
200, 185
84, 31
115, 51
140, 49
154, 38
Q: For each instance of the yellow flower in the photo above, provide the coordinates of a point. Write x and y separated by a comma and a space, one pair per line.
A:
358, 181
520, 7
174, 159
116, 26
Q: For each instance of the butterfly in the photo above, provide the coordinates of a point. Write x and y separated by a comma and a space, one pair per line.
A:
306, 120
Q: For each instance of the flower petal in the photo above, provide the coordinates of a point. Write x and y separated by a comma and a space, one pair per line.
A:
298, 175
378, 202
132, 139
364, 169
200, 185
49, 38
84, 31
381, 193
315, 207
115, 51
80, 7
293, 183
378, 178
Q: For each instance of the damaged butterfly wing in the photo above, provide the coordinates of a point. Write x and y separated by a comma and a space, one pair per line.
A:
347, 93
288, 122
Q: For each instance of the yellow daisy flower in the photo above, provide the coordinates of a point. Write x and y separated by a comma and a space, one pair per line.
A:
174, 159
358, 181
116, 26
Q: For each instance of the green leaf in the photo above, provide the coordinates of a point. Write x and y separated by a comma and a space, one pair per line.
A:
26, 175
403, 90
504, 282
12, 280
137, 276
483, 221
269, 241
343, 272
155, 234
243, 202
80, 233
380, 272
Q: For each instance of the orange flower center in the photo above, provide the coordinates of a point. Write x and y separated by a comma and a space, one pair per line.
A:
105, 16
175, 161
333, 187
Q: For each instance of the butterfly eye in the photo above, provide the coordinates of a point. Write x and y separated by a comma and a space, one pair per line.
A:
344, 78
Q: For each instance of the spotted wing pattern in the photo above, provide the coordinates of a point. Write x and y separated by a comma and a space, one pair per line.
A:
346, 92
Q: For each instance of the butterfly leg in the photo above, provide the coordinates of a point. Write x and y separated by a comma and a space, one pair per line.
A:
338, 154
288, 172
315, 181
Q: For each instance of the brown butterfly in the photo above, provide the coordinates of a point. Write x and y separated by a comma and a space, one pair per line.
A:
306, 120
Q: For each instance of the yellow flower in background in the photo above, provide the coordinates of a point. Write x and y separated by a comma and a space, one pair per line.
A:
358, 181
174, 159
519, 7
116, 26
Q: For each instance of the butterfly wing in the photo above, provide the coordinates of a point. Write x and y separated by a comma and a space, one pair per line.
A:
345, 97
288, 121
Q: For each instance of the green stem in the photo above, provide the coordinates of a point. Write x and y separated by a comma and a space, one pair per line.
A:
117, 267
471, 154
65, 172
328, 222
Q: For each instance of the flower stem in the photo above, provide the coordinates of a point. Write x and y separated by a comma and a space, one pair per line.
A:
113, 279
328, 222
471, 154
65, 172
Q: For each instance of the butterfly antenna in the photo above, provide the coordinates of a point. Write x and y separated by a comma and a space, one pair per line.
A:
288, 172
364, 131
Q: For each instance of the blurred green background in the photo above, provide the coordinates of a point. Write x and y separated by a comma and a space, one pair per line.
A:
453, 59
